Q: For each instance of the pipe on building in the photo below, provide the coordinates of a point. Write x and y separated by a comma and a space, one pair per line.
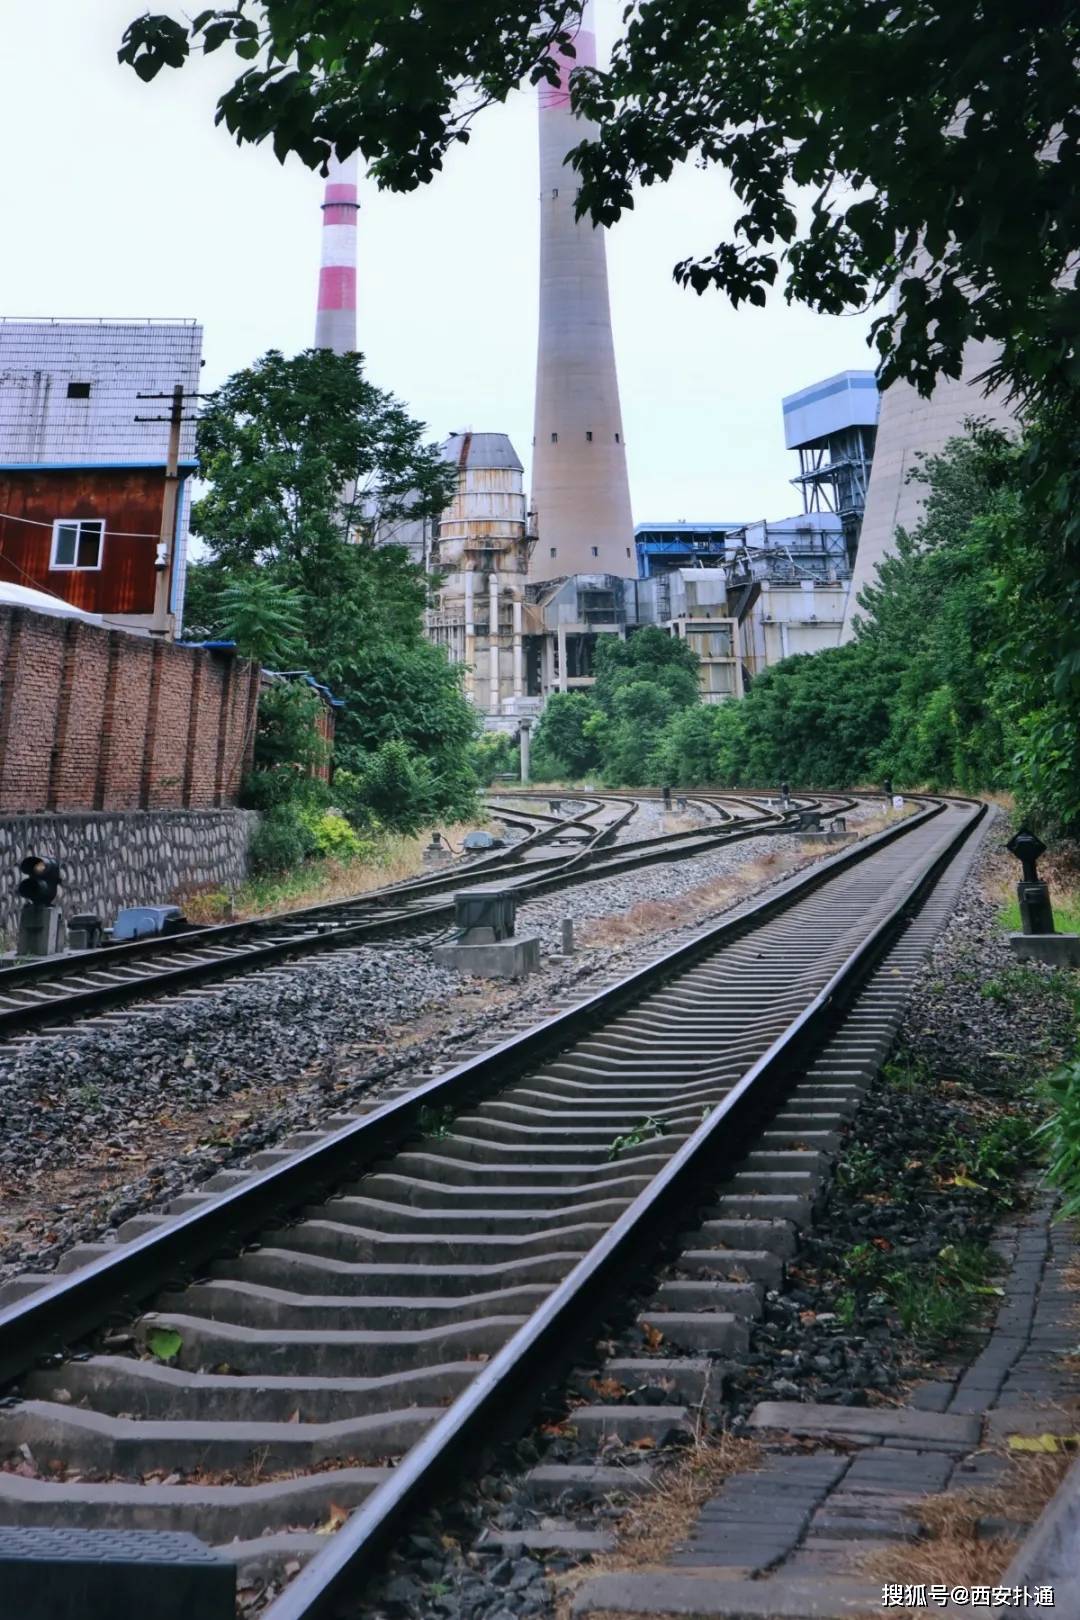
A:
519, 668
493, 642
470, 636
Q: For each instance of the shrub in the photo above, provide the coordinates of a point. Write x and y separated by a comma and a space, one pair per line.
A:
333, 836
494, 754
281, 840
1062, 1134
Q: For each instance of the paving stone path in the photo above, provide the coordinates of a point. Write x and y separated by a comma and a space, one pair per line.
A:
838, 1483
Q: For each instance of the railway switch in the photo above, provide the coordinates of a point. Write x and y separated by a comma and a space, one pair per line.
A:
486, 944
84, 931
485, 915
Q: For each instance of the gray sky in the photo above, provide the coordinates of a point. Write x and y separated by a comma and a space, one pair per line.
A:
122, 199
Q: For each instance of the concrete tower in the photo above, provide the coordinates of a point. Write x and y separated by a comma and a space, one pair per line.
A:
335, 322
909, 427
580, 490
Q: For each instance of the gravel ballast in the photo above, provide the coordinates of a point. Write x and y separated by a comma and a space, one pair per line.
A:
105, 1119
978, 1033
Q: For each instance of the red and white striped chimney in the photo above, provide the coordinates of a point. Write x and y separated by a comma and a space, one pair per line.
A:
335, 321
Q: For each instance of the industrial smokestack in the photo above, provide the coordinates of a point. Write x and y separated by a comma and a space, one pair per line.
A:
335, 322
580, 490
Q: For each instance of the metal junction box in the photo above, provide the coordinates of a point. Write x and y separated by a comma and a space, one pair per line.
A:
485, 915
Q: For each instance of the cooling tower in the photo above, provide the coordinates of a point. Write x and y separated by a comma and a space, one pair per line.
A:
910, 427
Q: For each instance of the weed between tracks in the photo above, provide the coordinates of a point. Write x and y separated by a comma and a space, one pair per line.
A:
653, 917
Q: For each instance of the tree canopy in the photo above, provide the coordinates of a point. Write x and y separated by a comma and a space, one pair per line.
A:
936, 145
302, 459
952, 680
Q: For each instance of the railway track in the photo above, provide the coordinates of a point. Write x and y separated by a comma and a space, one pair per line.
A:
36, 994
380, 1304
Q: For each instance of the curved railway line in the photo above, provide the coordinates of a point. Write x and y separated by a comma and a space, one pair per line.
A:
386, 1301
35, 994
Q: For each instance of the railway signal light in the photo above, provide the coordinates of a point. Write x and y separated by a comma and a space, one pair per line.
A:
41, 879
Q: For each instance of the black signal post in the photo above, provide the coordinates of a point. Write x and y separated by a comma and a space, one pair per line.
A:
1036, 912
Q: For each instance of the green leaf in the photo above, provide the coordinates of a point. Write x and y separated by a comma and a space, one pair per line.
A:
164, 1343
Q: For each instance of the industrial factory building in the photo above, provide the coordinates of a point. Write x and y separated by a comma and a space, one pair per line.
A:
741, 595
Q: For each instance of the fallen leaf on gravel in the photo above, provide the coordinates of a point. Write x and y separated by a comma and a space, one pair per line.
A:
1043, 1442
609, 1389
337, 1518
653, 1336
646, 1443
292, 1567
294, 1417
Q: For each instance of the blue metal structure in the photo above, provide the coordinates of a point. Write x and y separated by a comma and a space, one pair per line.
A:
662, 547
833, 425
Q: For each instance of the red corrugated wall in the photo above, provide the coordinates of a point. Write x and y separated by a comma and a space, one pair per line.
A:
128, 498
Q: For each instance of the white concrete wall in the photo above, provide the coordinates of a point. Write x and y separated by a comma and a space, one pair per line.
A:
908, 426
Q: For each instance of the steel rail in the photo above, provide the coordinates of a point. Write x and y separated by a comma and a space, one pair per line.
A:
528, 880
499, 1401
77, 1303
222, 933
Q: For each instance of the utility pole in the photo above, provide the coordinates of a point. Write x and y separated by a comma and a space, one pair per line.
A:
162, 622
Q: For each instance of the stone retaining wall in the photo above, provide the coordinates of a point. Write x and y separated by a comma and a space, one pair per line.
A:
117, 859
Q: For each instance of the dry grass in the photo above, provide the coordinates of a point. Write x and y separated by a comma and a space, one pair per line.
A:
653, 917
665, 1515
952, 1553
657, 916
320, 882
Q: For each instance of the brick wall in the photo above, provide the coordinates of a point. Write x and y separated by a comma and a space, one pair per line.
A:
94, 719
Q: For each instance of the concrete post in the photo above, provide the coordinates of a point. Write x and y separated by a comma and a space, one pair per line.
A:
493, 642
519, 666
470, 636
41, 930
526, 726
568, 936
562, 659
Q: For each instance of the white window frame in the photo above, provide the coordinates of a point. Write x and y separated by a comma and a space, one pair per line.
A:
76, 567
